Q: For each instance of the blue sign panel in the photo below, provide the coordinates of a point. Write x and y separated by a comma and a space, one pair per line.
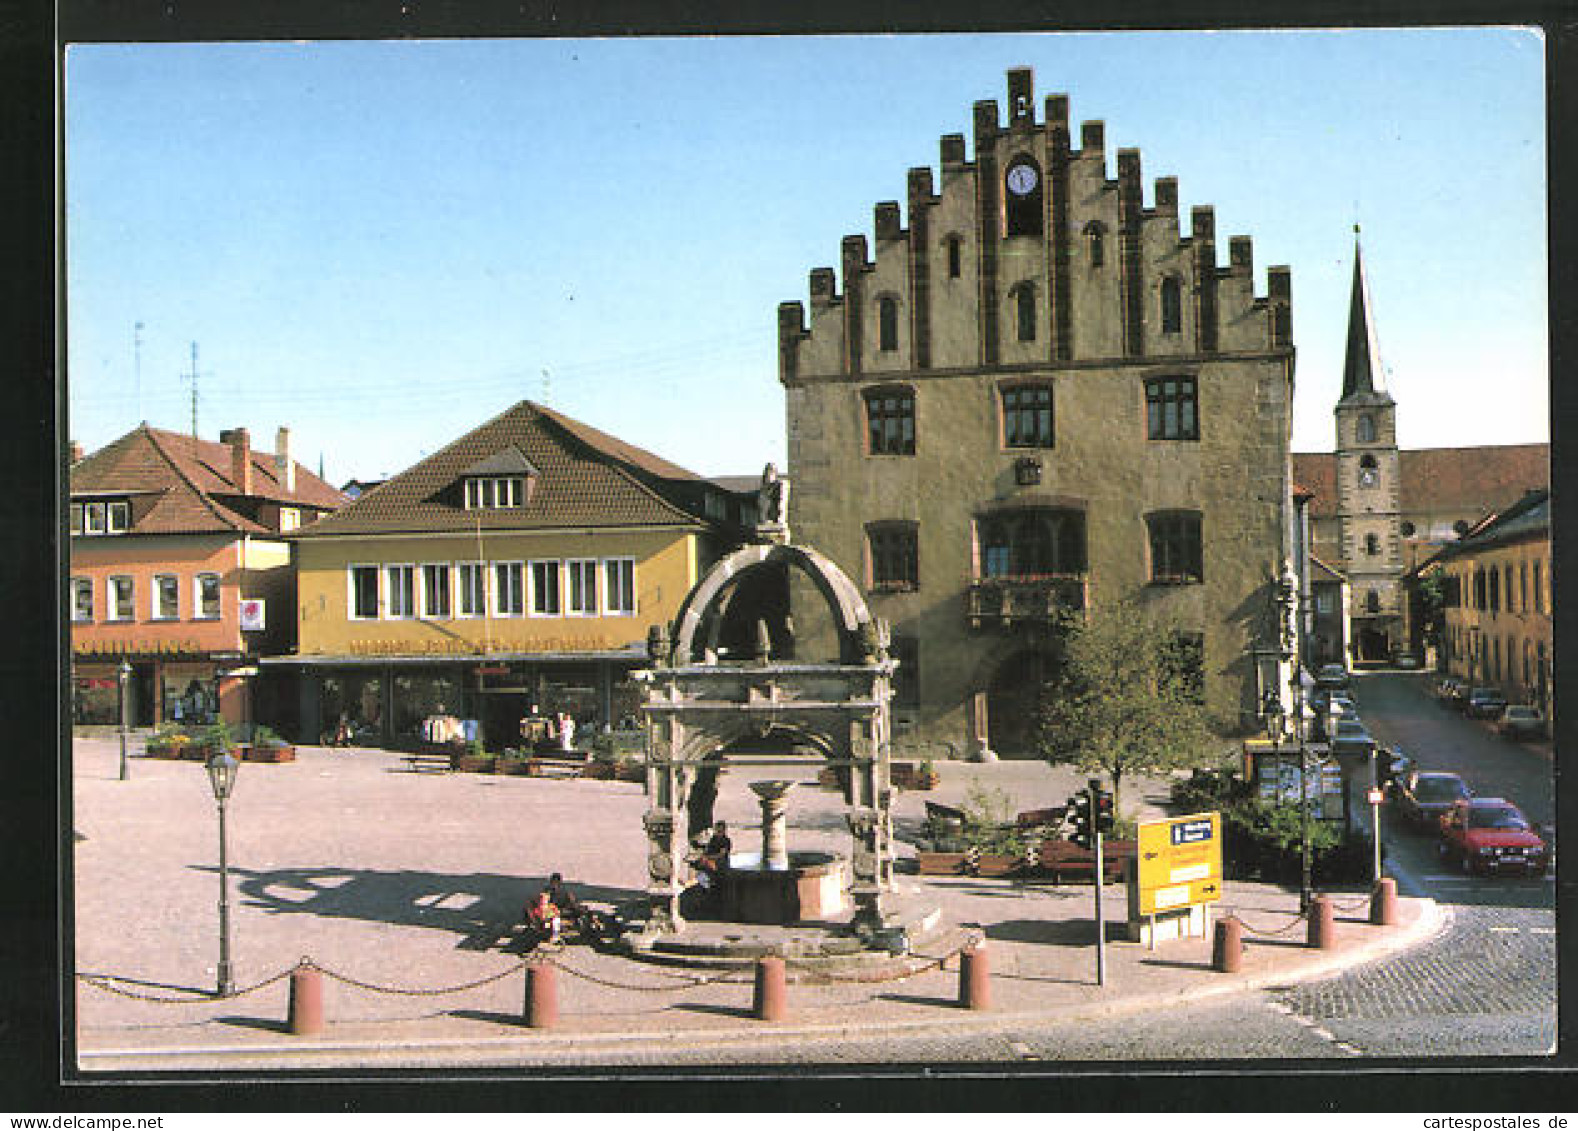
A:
1191, 832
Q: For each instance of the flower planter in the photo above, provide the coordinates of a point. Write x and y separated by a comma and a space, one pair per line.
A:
193, 752
275, 754
515, 767
170, 751
475, 763
601, 771
942, 863
636, 772
997, 864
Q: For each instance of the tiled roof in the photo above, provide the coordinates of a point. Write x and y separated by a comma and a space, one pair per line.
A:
585, 478
1529, 517
1472, 481
1321, 571
190, 481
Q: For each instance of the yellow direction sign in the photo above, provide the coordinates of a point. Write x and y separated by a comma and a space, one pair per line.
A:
1179, 862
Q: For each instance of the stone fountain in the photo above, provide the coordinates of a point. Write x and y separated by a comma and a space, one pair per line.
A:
776, 885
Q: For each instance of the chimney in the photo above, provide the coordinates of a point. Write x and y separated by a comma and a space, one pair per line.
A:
240, 459
284, 466
76, 452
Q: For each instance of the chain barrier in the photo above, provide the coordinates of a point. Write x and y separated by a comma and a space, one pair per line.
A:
106, 982
1268, 932
440, 992
1354, 906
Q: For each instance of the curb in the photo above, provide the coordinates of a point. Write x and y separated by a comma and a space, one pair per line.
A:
1431, 921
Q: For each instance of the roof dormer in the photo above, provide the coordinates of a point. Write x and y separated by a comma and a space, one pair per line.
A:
502, 481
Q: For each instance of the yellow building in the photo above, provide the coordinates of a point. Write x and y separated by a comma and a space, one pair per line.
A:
513, 573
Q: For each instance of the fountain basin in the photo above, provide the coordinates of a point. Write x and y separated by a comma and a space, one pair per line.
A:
810, 887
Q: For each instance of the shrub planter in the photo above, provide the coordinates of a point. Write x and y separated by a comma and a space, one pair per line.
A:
475, 763
631, 771
195, 752
999, 864
941, 863
513, 767
275, 754
601, 771
168, 750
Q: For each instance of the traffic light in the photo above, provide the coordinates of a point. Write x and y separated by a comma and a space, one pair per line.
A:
1106, 814
1079, 817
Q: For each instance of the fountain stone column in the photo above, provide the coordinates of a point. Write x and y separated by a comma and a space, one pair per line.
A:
775, 841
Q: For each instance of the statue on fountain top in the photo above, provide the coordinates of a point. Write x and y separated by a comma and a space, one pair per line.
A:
772, 507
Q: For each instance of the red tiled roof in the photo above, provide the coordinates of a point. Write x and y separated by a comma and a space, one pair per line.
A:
1471, 480
586, 478
190, 481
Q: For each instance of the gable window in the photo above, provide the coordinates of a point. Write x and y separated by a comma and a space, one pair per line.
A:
435, 591
1170, 408
1027, 416
887, 323
509, 596
1172, 305
472, 598
122, 599
166, 597
94, 518
955, 245
890, 422
1176, 556
206, 596
545, 589
402, 591
1034, 542
76, 518
893, 549
582, 587
495, 492
82, 599
118, 517
619, 586
364, 592
1096, 243
1024, 296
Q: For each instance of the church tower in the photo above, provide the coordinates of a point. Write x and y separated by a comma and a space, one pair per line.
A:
1368, 485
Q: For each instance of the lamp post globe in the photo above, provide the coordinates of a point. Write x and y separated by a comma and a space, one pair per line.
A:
222, 776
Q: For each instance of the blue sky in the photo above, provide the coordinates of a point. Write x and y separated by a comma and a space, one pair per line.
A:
383, 244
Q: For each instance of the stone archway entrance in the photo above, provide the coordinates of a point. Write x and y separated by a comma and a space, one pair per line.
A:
725, 672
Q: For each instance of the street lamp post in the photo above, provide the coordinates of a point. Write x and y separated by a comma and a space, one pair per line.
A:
222, 776
124, 680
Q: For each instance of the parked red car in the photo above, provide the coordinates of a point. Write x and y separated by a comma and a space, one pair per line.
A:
1488, 834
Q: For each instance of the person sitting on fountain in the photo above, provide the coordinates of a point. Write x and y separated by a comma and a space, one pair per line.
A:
587, 921
714, 856
542, 916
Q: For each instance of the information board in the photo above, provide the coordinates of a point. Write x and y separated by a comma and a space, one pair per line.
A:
1179, 862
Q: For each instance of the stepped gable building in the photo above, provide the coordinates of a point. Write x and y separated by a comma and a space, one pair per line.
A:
518, 568
1036, 392
180, 567
1377, 511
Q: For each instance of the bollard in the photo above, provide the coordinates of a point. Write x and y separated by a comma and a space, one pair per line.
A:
306, 1001
542, 995
1227, 947
770, 998
975, 973
1383, 903
1323, 927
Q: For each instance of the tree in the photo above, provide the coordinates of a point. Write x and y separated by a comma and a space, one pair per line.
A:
1128, 698
1431, 589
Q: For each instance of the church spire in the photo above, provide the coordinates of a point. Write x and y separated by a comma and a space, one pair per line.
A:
1362, 375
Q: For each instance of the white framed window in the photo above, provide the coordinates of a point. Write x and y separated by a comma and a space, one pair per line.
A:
205, 596
401, 597
435, 591
76, 518
472, 577
509, 598
123, 599
581, 598
118, 516
93, 514
289, 518
619, 586
82, 600
545, 597
495, 492
166, 597
362, 582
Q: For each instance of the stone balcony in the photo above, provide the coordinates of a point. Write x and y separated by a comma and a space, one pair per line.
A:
994, 602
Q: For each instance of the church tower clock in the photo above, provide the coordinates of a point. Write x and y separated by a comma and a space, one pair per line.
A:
1368, 487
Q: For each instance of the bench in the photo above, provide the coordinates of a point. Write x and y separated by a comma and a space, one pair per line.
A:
1057, 859
564, 765
422, 762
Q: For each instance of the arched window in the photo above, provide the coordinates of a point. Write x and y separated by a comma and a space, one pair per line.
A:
1095, 242
887, 323
1031, 543
1365, 431
1024, 297
1372, 544
1172, 305
1369, 475
955, 247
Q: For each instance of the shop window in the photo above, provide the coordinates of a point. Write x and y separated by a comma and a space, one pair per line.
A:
122, 599
364, 592
887, 323
1027, 416
1172, 305
82, 600
206, 596
1170, 405
401, 580
893, 554
890, 421
1033, 542
435, 591
619, 586
1176, 555
509, 598
545, 589
582, 588
472, 597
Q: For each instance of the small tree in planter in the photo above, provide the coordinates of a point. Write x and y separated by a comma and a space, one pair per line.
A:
604, 762
476, 759
267, 746
513, 762
169, 741
215, 740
